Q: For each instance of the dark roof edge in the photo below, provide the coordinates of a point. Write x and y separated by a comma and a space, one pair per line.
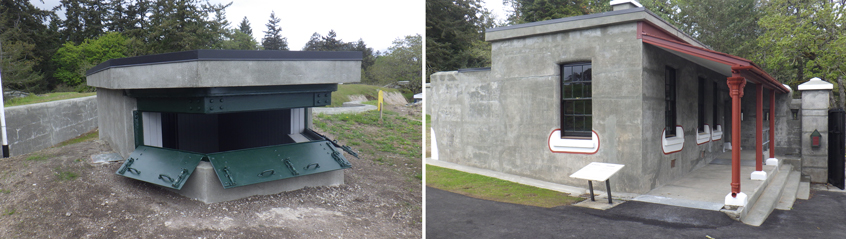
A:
227, 55
474, 69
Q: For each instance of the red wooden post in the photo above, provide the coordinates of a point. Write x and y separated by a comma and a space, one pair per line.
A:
759, 125
735, 84
772, 123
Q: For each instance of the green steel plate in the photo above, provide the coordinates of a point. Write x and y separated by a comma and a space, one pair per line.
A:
164, 167
256, 165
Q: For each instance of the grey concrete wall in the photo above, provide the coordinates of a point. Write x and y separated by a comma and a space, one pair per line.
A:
815, 117
227, 74
501, 119
115, 120
788, 131
38, 126
657, 166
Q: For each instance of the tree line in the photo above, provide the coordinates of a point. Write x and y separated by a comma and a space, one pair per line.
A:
793, 40
40, 52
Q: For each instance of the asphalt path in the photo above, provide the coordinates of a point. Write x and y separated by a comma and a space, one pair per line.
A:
450, 215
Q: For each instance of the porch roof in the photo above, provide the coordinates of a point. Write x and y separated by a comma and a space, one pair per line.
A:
722, 63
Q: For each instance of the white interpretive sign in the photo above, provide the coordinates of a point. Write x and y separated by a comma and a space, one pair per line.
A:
597, 171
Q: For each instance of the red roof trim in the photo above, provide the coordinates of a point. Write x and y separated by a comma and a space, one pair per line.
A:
736, 63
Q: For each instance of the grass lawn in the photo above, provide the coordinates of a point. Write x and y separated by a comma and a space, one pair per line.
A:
82, 138
345, 90
482, 187
33, 98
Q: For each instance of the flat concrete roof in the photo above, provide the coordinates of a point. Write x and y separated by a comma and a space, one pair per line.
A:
586, 22
227, 68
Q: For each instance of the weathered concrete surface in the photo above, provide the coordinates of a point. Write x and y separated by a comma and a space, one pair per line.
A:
501, 119
815, 117
227, 74
583, 22
115, 113
205, 186
38, 126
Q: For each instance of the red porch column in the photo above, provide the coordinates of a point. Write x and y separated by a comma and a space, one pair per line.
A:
735, 84
772, 125
759, 173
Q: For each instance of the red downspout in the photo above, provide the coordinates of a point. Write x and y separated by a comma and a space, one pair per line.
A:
759, 125
735, 84
772, 123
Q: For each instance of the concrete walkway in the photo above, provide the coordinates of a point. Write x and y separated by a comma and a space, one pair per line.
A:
706, 187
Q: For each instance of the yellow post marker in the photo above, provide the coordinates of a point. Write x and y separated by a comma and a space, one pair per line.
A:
379, 104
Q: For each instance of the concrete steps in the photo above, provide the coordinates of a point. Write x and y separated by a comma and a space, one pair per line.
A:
788, 195
757, 212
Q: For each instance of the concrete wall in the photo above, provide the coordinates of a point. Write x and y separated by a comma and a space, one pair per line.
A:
657, 167
815, 117
38, 126
115, 113
788, 132
501, 119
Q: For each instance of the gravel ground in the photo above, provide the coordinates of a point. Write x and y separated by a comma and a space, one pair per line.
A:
59, 193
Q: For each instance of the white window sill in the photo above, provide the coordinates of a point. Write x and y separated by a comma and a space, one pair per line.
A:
704, 137
717, 134
672, 144
577, 146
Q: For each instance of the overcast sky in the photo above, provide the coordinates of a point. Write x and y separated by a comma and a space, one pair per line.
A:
377, 22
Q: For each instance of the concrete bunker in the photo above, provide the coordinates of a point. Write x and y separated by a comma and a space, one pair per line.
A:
221, 125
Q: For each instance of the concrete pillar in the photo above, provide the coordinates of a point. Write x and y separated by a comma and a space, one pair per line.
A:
815, 104
735, 198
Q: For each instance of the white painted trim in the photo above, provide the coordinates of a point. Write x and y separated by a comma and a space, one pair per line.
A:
759, 175
297, 120
703, 137
772, 162
739, 201
816, 84
618, 2
717, 134
672, 144
434, 144
151, 122
586, 146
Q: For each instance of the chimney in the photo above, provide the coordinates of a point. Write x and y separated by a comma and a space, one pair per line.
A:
618, 5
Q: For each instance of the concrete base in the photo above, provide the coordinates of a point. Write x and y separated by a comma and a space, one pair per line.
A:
599, 204
759, 175
772, 162
204, 186
740, 201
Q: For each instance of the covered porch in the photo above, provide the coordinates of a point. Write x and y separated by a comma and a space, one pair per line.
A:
705, 187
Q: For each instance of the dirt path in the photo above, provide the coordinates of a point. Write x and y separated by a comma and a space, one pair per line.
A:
58, 193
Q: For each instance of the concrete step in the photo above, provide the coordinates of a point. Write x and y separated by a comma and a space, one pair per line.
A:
766, 202
788, 195
804, 191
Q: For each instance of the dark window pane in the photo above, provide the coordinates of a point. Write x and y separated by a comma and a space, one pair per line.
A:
569, 107
588, 123
587, 90
567, 91
586, 73
580, 123
580, 107
588, 107
577, 90
577, 73
567, 75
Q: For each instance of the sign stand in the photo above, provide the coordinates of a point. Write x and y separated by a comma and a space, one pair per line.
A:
598, 172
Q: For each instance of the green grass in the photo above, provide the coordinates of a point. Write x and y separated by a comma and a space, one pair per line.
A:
37, 157
33, 98
62, 175
5, 191
345, 90
493, 189
9, 212
396, 134
82, 138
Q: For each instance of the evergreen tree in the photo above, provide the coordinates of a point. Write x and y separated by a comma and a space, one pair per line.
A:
25, 41
273, 39
454, 35
524, 11
245, 27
